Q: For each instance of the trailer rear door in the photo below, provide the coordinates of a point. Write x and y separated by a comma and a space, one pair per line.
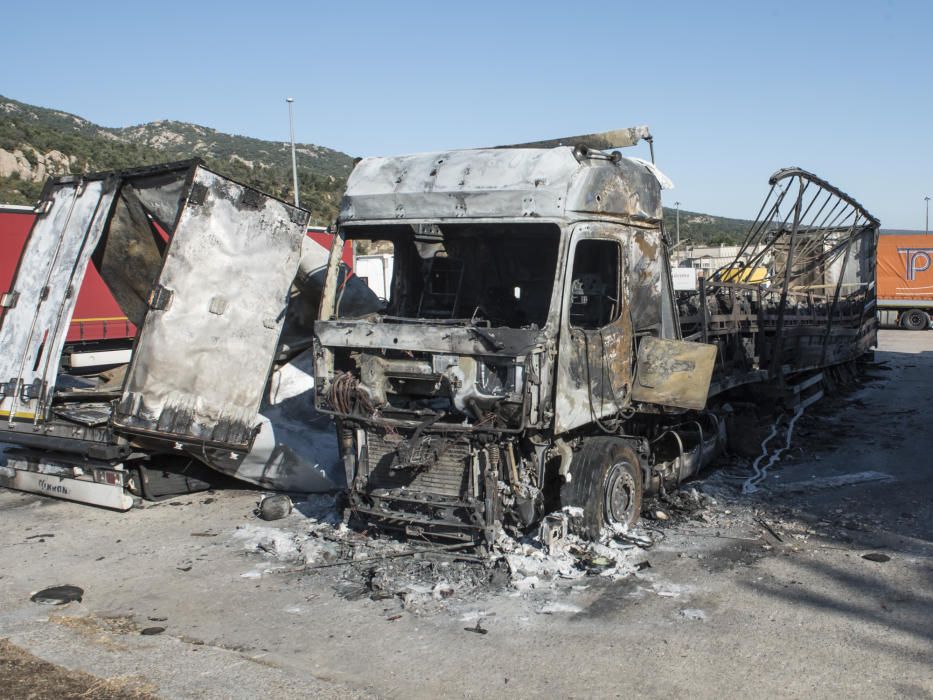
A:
40, 304
206, 345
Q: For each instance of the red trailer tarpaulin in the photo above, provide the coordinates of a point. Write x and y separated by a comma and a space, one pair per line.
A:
97, 315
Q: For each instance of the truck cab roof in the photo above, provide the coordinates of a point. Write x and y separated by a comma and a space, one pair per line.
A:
555, 183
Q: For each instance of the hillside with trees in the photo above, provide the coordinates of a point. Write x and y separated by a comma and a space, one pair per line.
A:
36, 143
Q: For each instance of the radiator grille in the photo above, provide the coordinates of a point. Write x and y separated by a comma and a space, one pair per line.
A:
448, 476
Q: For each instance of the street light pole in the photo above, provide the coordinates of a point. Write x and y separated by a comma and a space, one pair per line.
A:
927, 227
677, 205
291, 126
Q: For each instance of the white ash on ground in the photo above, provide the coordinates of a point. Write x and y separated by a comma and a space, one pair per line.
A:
311, 534
270, 541
536, 564
421, 578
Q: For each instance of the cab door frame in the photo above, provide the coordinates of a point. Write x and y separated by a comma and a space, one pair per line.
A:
594, 365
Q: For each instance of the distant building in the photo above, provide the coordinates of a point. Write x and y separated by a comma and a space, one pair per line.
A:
707, 259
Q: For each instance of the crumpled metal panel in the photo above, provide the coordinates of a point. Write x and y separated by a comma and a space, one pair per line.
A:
499, 183
674, 372
46, 286
296, 448
205, 349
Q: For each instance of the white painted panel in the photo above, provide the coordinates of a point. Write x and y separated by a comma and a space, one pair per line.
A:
684, 279
100, 358
19, 475
47, 281
377, 271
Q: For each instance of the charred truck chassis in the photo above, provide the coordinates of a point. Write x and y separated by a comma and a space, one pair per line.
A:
532, 354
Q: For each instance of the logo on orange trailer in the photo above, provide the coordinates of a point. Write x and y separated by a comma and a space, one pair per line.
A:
916, 260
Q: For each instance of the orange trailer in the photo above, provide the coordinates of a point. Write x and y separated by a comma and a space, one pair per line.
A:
905, 280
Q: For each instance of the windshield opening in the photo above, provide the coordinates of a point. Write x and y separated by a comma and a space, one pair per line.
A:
499, 275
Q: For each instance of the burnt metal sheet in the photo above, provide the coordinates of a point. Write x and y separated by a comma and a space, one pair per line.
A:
605, 140
206, 346
501, 183
296, 448
432, 338
674, 372
72, 216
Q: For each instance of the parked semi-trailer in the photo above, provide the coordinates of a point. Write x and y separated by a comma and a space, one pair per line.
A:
905, 281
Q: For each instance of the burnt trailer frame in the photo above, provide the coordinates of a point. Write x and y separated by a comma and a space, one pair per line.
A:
821, 310
588, 417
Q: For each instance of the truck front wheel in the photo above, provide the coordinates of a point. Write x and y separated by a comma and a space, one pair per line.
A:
915, 320
606, 482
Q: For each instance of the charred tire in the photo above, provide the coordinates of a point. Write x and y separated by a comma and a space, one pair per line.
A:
606, 483
915, 320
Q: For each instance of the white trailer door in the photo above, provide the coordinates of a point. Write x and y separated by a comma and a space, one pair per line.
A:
41, 302
206, 346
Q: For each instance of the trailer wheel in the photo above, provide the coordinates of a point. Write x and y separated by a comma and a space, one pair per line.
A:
915, 320
606, 482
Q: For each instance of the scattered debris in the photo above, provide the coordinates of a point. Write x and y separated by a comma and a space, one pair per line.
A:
477, 615
534, 563
554, 607
275, 507
693, 614
58, 595
877, 557
425, 579
770, 529
553, 531
270, 541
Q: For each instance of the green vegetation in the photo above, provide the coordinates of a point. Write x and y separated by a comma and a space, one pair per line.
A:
13, 190
704, 229
87, 147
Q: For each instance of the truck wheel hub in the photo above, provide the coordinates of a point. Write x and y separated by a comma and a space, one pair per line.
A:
620, 494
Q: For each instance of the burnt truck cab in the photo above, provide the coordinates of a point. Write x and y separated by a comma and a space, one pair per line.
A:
487, 388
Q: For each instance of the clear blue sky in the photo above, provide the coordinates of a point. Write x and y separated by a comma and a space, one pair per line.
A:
731, 90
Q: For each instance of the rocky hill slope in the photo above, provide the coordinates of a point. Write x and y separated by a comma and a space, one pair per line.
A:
36, 142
